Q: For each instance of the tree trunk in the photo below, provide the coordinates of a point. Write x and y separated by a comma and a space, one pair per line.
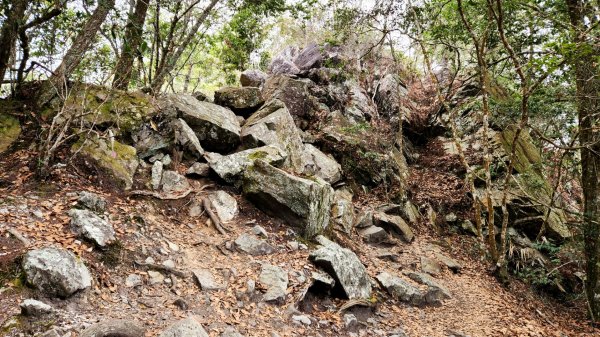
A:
9, 33
131, 45
587, 74
84, 40
171, 60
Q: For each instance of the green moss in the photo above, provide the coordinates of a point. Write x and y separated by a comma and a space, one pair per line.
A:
10, 129
120, 160
104, 107
258, 155
527, 156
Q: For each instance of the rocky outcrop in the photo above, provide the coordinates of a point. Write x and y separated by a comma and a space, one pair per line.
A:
216, 127
351, 278
273, 125
302, 203
55, 272
10, 129
297, 96
243, 101
116, 159
342, 210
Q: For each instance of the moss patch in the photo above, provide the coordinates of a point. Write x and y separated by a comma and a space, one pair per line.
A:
10, 129
103, 107
119, 160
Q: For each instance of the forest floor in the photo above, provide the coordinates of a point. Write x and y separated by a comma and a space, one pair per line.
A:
147, 227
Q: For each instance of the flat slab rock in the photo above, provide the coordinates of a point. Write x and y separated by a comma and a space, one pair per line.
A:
206, 280
56, 272
92, 226
188, 327
344, 266
31, 307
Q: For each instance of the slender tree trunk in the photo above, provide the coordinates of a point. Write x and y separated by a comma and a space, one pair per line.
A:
82, 43
9, 33
587, 74
131, 45
171, 60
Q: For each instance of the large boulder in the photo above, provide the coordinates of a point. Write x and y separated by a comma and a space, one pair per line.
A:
92, 227
230, 167
10, 129
242, 101
351, 278
297, 95
273, 125
188, 327
303, 203
100, 107
216, 127
252, 78
118, 160
317, 163
56, 272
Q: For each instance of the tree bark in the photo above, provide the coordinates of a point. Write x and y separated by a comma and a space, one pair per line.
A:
82, 43
9, 33
131, 45
171, 60
587, 77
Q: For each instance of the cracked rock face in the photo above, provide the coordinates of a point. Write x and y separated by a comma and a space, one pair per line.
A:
344, 266
92, 227
56, 272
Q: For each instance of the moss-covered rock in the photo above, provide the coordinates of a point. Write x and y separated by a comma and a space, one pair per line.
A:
118, 160
302, 203
10, 129
98, 106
